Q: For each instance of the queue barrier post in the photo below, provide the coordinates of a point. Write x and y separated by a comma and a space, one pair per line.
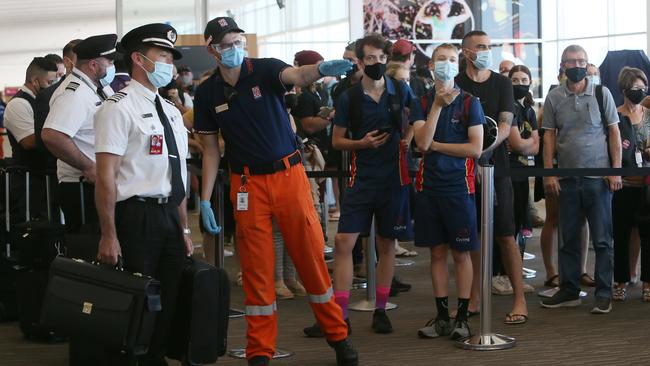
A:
486, 340
219, 238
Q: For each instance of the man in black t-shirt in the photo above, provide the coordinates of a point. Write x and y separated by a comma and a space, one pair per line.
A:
496, 95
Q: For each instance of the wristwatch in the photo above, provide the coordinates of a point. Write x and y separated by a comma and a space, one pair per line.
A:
187, 231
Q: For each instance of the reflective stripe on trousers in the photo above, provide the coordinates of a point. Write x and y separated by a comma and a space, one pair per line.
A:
263, 310
321, 299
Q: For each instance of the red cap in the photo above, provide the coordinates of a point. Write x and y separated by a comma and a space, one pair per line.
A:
307, 57
403, 47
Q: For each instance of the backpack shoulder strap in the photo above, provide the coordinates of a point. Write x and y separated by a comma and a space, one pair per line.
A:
601, 106
466, 105
355, 101
396, 105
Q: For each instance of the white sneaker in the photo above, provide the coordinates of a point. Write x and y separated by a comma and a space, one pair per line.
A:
501, 285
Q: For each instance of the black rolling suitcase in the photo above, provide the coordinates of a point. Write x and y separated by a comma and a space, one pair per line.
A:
200, 328
37, 243
9, 265
85, 243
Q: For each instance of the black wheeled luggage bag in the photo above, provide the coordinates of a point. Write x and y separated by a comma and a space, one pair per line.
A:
200, 328
38, 243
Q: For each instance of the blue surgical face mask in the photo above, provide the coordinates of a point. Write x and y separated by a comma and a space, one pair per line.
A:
483, 60
233, 57
445, 70
110, 75
595, 79
162, 73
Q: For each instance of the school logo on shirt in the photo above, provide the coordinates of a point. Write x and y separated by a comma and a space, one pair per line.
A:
257, 93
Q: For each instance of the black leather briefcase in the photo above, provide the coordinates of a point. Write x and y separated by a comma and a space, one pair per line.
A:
105, 305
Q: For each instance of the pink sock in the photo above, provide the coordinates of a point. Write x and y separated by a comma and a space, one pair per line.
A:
382, 297
342, 298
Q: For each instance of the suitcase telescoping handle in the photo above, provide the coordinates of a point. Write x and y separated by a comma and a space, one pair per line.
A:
83, 206
8, 170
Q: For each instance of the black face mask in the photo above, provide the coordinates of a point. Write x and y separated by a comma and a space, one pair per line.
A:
290, 100
352, 71
576, 74
635, 95
375, 71
520, 91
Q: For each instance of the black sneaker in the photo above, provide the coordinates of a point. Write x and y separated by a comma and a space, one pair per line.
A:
259, 361
461, 330
560, 299
380, 322
346, 355
435, 328
314, 331
602, 305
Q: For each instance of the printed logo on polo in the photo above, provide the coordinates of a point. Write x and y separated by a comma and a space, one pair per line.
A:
223, 22
257, 93
462, 236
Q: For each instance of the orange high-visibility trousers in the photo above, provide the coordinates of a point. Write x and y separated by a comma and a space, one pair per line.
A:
286, 196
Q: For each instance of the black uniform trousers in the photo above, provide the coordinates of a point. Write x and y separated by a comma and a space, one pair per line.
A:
69, 197
151, 240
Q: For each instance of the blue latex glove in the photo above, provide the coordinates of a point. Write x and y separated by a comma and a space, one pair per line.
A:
207, 216
334, 67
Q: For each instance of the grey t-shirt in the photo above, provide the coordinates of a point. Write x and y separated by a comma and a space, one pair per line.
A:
581, 135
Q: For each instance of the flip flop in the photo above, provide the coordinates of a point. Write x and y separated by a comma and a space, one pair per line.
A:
554, 281
469, 314
403, 252
522, 318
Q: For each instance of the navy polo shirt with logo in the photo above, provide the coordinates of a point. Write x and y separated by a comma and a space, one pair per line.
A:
381, 165
251, 115
441, 174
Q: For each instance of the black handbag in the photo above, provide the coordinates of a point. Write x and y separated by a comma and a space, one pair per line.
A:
105, 305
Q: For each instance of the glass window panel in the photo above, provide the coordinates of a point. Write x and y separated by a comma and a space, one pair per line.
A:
629, 16
507, 19
582, 18
179, 13
338, 9
596, 48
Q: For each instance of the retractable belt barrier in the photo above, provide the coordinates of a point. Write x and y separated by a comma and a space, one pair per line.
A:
485, 339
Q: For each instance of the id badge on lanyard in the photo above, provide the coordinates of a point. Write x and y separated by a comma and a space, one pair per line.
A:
242, 195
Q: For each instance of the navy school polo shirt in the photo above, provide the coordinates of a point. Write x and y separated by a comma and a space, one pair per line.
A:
442, 174
254, 123
380, 165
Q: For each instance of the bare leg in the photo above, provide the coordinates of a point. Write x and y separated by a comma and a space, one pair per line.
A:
343, 245
463, 269
440, 271
386, 262
475, 294
548, 236
513, 264
209, 244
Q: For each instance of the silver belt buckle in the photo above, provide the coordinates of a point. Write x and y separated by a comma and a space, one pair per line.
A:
163, 200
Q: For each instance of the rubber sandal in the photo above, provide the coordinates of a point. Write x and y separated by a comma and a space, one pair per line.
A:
403, 252
469, 314
522, 319
645, 297
587, 280
554, 281
619, 294
335, 216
